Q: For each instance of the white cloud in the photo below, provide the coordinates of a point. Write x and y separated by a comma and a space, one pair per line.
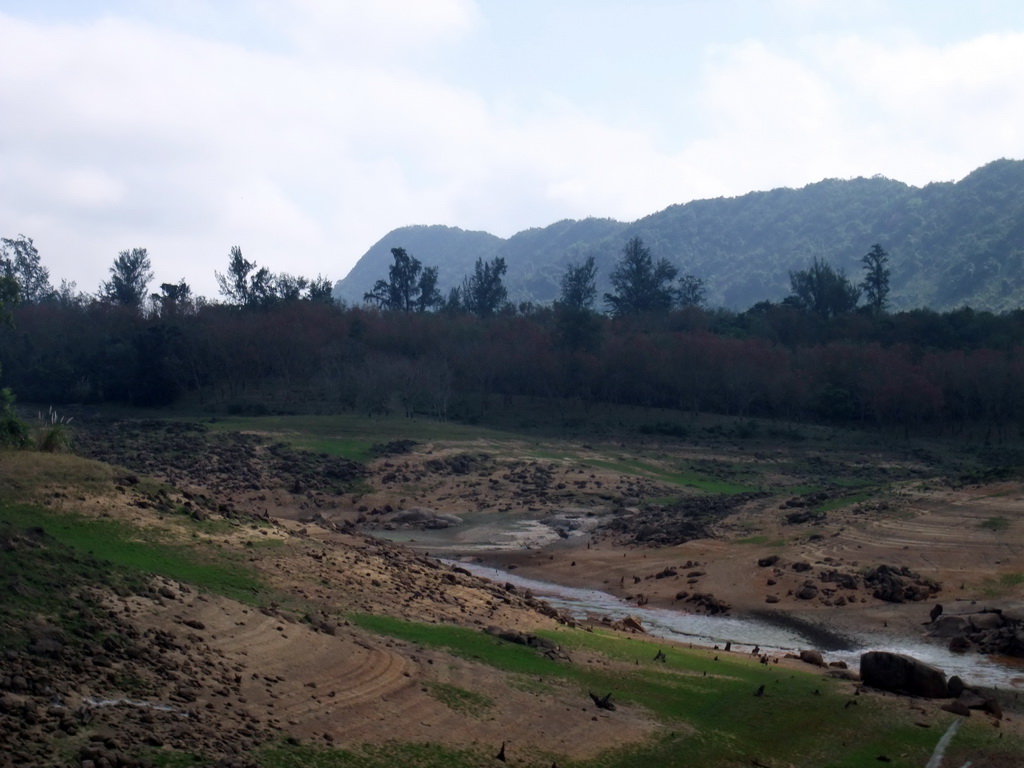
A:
378, 30
327, 124
959, 103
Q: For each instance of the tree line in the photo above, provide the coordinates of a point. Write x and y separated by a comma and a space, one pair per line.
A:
278, 343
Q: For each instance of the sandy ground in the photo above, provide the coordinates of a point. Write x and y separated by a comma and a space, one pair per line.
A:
350, 687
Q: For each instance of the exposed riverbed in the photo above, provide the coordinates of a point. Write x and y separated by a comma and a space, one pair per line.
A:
770, 633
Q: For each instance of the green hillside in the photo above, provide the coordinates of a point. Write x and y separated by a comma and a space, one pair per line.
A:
950, 243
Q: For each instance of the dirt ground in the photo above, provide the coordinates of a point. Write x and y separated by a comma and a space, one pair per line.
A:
244, 676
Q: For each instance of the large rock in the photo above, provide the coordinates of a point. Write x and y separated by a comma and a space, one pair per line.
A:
812, 657
949, 626
903, 674
414, 515
986, 620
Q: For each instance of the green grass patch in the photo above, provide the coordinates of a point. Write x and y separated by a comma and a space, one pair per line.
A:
141, 550
695, 480
26, 473
761, 540
995, 524
530, 684
459, 699
843, 501
371, 756
351, 436
851, 482
802, 719
1002, 585
163, 758
267, 542
42, 576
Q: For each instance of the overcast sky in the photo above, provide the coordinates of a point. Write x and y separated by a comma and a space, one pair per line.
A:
305, 130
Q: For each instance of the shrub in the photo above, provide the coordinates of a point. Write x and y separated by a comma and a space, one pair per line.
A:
53, 435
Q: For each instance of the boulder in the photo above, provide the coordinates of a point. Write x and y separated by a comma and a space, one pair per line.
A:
948, 626
956, 686
903, 674
633, 624
986, 620
972, 700
994, 708
808, 591
1014, 615
812, 657
959, 644
415, 515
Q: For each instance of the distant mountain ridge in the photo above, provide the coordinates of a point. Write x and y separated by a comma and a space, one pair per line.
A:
950, 243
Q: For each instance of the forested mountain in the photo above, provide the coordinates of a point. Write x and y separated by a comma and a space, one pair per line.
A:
950, 244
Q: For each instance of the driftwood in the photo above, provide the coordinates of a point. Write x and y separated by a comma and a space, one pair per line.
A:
603, 702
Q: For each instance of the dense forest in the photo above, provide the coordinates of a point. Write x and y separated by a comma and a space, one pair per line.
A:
830, 352
953, 244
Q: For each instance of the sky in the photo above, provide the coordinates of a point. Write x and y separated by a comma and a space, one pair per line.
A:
304, 131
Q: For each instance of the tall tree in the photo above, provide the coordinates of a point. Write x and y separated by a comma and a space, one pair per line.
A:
13, 432
409, 286
876, 278
129, 276
19, 260
285, 287
244, 285
320, 290
9, 295
822, 289
399, 291
234, 285
576, 322
483, 293
692, 292
429, 294
579, 285
174, 299
641, 284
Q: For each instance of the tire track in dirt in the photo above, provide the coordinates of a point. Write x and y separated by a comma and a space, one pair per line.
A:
352, 689
289, 674
355, 670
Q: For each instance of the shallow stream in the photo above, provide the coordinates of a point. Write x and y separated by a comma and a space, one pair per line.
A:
772, 632
769, 632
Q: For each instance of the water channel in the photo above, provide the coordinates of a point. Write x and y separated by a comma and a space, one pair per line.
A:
464, 546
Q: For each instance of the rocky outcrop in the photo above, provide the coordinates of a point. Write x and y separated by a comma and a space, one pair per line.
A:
706, 602
424, 518
903, 674
900, 585
991, 630
668, 526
